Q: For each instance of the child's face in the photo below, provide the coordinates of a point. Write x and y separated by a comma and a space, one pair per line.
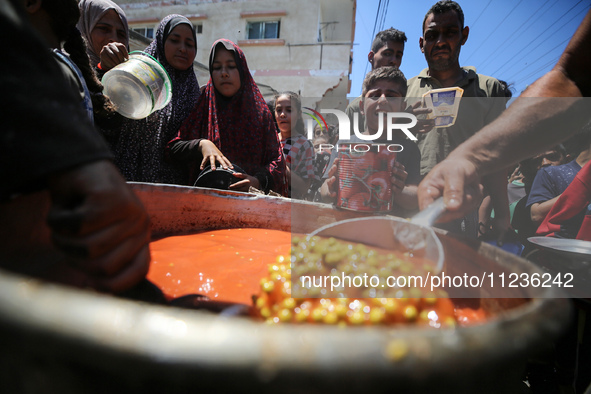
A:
321, 132
318, 141
382, 97
224, 73
388, 55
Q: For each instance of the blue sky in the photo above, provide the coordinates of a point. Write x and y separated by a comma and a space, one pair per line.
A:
513, 40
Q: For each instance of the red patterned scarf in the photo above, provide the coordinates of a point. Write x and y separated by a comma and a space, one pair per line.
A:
241, 127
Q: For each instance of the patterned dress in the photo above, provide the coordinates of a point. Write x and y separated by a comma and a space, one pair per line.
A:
140, 145
299, 156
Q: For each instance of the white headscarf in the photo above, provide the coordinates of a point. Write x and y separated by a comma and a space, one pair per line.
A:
91, 12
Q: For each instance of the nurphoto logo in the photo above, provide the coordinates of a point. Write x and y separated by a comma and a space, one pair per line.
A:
393, 120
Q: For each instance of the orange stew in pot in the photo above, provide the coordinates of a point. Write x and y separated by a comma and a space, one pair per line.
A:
224, 265
242, 265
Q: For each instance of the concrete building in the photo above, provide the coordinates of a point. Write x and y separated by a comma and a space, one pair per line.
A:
299, 45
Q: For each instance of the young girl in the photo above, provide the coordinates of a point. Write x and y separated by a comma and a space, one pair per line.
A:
103, 25
139, 145
298, 151
231, 124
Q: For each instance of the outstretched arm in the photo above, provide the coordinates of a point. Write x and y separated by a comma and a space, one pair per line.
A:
536, 120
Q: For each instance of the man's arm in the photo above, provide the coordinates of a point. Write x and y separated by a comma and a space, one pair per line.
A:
533, 122
541, 196
539, 210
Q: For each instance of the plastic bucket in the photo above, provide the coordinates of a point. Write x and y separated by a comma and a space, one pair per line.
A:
138, 86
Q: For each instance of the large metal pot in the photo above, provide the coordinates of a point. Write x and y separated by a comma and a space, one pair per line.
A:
58, 339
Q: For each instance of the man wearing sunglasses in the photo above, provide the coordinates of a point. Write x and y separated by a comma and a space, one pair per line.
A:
553, 178
530, 167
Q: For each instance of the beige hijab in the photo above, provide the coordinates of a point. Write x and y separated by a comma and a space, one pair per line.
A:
91, 11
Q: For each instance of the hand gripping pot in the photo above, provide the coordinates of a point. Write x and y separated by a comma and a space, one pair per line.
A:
138, 86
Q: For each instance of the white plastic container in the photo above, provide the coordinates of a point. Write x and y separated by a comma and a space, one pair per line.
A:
138, 86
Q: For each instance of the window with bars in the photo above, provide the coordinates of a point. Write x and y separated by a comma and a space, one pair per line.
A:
262, 30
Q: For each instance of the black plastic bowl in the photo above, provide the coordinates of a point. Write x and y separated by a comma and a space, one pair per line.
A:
220, 178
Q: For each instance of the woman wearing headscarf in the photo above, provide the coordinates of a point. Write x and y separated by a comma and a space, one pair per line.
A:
103, 25
139, 148
232, 117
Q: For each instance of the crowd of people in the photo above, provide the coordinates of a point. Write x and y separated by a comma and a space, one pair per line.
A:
227, 124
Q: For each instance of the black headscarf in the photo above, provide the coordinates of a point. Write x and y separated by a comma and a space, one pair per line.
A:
140, 149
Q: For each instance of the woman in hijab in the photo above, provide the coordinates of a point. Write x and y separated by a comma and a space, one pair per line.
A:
232, 117
139, 148
103, 25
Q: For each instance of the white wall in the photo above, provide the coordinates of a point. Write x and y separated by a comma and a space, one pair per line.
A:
299, 62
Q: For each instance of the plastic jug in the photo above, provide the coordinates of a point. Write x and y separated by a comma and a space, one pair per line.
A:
138, 86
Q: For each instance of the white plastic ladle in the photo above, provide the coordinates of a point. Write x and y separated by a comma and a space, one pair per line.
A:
392, 233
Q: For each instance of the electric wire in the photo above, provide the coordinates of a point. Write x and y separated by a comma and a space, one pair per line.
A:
481, 12
384, 14
513, 34
375, 25
516, 37
514, 61
539, 70
494, 30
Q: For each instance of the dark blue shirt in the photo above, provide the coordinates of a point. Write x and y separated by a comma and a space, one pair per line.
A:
552, 181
